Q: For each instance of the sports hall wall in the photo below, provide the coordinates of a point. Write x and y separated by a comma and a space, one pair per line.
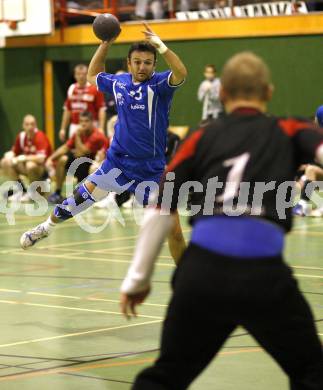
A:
297, 77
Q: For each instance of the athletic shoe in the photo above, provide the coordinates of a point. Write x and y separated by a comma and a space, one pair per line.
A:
30, 237
55, 198
303, 210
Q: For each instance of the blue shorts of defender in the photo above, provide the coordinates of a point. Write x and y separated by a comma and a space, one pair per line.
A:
119, 173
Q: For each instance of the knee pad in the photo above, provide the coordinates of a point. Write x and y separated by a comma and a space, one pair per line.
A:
75, 204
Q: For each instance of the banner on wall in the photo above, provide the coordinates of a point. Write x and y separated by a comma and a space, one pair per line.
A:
247, 11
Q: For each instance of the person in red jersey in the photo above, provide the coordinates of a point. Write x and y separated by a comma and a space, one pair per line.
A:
86, 142
27, 157
81, 96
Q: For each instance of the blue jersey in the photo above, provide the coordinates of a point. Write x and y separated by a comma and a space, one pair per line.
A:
143, 113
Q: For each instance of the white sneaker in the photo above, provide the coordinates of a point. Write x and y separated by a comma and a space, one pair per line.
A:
16, 197
30, 237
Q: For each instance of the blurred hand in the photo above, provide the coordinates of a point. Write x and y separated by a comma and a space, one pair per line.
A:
152, 38
62, 135
128, 302
21, 158
110, 41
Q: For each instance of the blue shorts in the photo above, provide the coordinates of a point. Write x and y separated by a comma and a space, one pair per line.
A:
119, 173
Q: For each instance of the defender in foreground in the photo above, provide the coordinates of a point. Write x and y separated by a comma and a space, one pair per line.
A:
233, 273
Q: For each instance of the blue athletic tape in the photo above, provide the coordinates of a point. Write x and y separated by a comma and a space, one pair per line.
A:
75, 204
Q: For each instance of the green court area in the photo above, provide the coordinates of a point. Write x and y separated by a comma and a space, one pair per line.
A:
60, 321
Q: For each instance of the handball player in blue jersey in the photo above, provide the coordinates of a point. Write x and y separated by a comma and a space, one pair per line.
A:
137, 154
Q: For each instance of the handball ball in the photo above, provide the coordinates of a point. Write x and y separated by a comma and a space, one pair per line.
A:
106, 27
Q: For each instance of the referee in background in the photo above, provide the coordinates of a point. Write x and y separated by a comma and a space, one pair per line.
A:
233, 272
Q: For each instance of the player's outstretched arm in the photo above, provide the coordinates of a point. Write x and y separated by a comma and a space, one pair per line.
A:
97, 62
177, 67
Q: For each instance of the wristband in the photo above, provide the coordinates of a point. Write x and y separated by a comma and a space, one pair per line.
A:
161, 48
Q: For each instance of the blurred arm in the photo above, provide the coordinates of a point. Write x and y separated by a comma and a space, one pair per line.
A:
97, 64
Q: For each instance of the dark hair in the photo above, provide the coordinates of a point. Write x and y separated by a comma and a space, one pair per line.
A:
210, 66
142, 46
87, 114
80, 66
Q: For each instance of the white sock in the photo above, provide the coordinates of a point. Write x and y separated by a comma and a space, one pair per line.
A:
49, 224
303, 203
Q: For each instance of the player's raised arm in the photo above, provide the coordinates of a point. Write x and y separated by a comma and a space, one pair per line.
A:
97, 62
177, 67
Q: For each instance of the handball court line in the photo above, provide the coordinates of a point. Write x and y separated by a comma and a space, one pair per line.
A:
82, 258
73, 297
68, 335
74, 243
70, 224
75, 256
62, 370
112, 251
74, 308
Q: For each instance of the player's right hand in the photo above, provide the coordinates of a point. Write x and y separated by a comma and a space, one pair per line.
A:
128, 302
62, 135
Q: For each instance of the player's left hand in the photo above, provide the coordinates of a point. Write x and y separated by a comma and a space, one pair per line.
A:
154, 39
128, 302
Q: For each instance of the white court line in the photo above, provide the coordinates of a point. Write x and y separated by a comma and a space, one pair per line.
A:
115, 301
74, 308
83, 242
74, 297
307, 233
10, 290
77, 334
103, 240
50, 295
309, 276
307, 267
81, 258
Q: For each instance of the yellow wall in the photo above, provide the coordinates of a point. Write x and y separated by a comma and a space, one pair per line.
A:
173, 30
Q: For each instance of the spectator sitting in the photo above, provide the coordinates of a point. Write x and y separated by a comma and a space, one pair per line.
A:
86, 142
27, 157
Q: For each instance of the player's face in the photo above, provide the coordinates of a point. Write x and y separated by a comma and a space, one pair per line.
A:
209, 74
141, 65
85, 124
29, 124
80, 75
